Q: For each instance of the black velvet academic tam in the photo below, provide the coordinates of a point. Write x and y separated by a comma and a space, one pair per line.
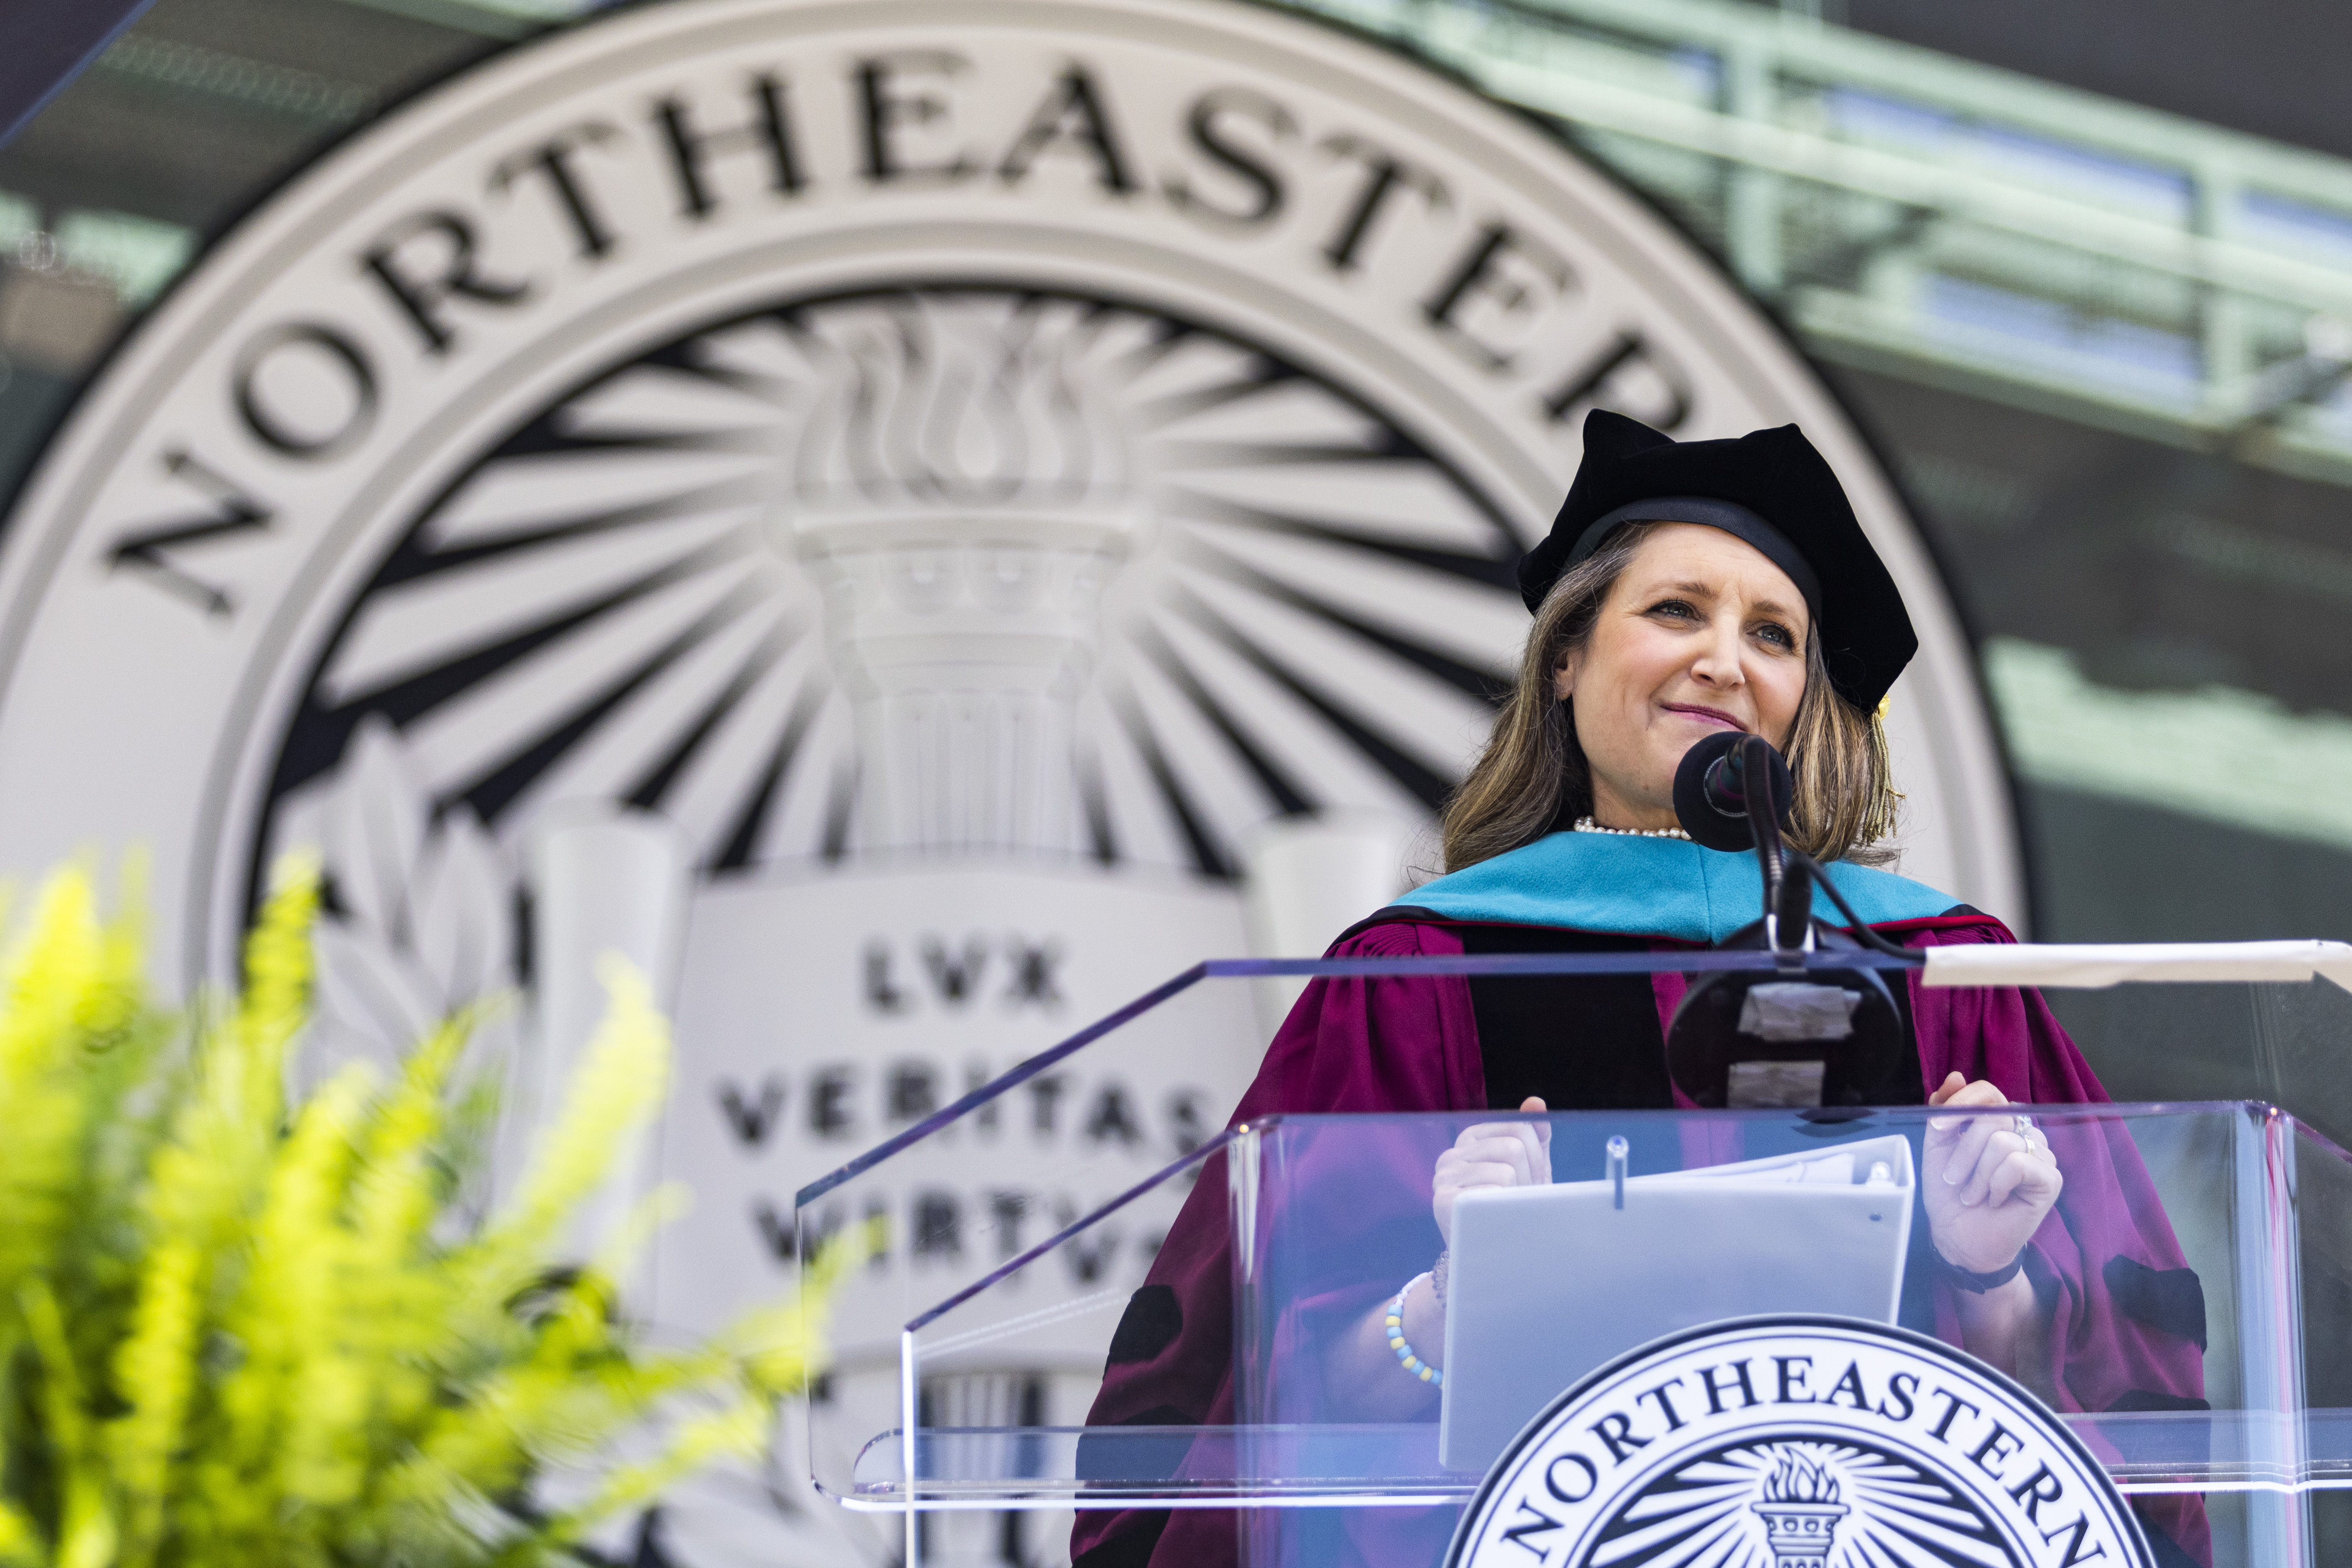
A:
1770, 488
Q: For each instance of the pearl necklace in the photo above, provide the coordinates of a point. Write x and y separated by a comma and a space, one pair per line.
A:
1586, 824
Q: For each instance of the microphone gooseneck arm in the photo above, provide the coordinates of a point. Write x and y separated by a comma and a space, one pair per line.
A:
1755, 756
1794, 910
1867, 937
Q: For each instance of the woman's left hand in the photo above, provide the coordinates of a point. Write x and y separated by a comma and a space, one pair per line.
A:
1988, 1180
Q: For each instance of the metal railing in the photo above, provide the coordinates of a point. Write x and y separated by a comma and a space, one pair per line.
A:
1941, 220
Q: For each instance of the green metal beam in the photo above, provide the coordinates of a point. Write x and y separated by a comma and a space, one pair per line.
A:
252, 84
1979, 184
485, 18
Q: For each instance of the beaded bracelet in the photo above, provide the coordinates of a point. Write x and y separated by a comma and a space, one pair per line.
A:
1413, 1364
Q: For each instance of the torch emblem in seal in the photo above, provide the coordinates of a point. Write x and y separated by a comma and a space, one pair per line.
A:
1799, 1505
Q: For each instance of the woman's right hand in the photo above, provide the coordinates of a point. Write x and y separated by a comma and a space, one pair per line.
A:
1492, 1155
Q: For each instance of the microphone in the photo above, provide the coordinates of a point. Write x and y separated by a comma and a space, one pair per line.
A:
1802, 1033
1711, 789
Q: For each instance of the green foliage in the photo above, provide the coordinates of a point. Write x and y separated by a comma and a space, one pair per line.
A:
238, 1330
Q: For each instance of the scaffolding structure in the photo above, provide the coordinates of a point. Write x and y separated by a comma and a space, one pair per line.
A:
1943, 221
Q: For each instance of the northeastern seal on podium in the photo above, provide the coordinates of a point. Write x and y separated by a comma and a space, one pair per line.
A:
1797, 1442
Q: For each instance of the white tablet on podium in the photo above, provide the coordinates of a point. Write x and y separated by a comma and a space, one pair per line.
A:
1547, 1283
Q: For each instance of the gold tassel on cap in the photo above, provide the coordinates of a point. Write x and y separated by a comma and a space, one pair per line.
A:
1886, 800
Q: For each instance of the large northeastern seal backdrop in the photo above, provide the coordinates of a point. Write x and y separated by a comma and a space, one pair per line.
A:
962, 468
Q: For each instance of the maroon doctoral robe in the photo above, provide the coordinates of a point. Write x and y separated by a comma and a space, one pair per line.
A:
2126, 1321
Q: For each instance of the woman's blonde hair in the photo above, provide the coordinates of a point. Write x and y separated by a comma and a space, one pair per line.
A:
1532, 778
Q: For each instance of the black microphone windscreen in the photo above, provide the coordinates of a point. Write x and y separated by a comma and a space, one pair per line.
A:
1707, 809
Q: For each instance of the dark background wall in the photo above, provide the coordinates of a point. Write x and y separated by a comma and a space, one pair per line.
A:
2159, 569
2273, 68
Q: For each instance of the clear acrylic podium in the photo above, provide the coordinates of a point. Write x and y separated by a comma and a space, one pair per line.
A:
989, 1270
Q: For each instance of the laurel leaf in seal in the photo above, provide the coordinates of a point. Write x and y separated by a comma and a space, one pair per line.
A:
375, 830
460, 911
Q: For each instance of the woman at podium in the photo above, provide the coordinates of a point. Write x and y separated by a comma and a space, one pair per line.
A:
1685, 589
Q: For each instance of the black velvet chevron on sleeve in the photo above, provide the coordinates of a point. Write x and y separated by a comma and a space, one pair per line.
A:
2169, 1299
1129, 1548
1153, 1319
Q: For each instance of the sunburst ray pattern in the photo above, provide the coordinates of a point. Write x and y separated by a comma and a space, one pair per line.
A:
1306, 609
1895, 1514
